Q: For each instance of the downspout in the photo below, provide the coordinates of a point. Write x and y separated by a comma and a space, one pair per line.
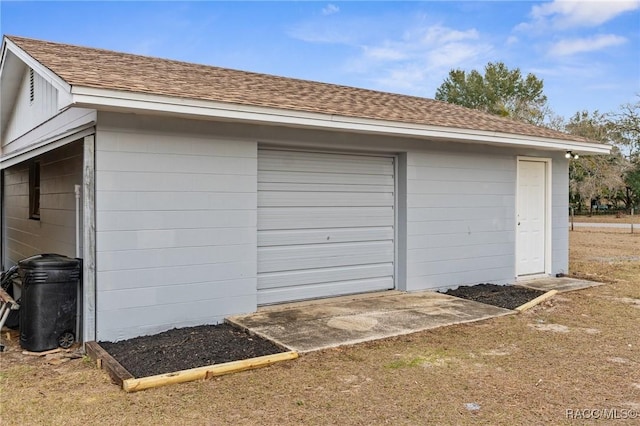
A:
77, 191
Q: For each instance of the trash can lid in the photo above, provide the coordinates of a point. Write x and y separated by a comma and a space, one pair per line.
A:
48, 261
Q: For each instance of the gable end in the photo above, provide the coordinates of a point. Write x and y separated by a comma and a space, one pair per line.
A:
35, 103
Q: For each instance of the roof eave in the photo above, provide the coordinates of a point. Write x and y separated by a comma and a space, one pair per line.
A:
120, 100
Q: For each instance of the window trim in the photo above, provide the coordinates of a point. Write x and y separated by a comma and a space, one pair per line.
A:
34, 190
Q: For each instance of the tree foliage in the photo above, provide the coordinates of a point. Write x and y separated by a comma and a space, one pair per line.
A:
626, 129
499, 91
593, 126
615, 177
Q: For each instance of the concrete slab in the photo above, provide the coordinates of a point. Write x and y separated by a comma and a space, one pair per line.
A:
561, 284
311, 326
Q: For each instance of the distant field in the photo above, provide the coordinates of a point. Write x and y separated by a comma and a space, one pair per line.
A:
608, 218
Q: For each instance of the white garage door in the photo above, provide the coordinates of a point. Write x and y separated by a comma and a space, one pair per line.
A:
325, 224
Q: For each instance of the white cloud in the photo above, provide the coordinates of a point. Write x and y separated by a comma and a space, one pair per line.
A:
403, 78
439, 34
423, 54
441, 46
414, 59
451, 55
563, 14
336, 31
589, 44
330, 9
383, 53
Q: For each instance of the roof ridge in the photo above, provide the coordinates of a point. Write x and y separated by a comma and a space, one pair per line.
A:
198, 64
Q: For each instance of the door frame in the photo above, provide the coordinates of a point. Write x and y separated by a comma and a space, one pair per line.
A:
547, 213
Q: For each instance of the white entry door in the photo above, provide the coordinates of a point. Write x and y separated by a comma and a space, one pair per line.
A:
531, 217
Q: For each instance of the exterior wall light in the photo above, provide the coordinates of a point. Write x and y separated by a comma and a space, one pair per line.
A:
570, 155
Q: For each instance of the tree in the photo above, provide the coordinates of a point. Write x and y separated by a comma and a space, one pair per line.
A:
600, 176
597, 178
626, 128
632, 180
594, 126
499, 91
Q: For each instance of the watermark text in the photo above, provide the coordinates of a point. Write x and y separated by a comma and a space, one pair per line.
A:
601, 413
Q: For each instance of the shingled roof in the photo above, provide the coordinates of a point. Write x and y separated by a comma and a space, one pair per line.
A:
105, 69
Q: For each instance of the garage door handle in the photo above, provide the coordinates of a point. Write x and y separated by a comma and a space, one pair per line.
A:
518, 223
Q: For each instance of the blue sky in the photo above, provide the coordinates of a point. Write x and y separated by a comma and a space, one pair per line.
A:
587, 52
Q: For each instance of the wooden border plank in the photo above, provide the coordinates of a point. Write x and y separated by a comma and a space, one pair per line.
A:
537, 300
108, 363
134, 385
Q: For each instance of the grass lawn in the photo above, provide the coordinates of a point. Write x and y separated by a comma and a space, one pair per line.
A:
580, 350
609, 218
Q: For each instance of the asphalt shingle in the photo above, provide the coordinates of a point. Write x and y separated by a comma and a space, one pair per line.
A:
99, 68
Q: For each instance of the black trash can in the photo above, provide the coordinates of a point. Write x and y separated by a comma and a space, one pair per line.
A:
49, 300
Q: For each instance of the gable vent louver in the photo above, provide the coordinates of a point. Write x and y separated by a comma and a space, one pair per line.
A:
32, 90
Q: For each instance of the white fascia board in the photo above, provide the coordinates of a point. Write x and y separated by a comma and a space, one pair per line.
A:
96, 98
11, 74
51, 134
44, 147
63, 88
3, 54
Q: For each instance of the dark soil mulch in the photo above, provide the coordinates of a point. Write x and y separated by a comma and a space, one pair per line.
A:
190, 347
503, 296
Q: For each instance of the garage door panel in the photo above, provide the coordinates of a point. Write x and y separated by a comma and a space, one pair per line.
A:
324, 199
325, 224
323, 236
321, 187
286, 156
276, 295
272, 259
328, 217
325, 275
317, 167
325, 163
323, 178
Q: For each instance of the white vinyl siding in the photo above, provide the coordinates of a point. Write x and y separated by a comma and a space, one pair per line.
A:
28, 113
60, 171
460, 218
325, 224
176, 230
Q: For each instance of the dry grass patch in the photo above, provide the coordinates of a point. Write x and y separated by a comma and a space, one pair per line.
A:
625, 218
579, 350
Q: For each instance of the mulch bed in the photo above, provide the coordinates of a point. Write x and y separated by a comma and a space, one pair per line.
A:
190, 347
503, 296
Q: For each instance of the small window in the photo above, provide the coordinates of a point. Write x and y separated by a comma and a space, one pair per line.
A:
34, 191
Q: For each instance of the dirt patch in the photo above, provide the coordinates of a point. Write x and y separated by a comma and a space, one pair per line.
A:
610, 218
556, 328
503, 296
189, 347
